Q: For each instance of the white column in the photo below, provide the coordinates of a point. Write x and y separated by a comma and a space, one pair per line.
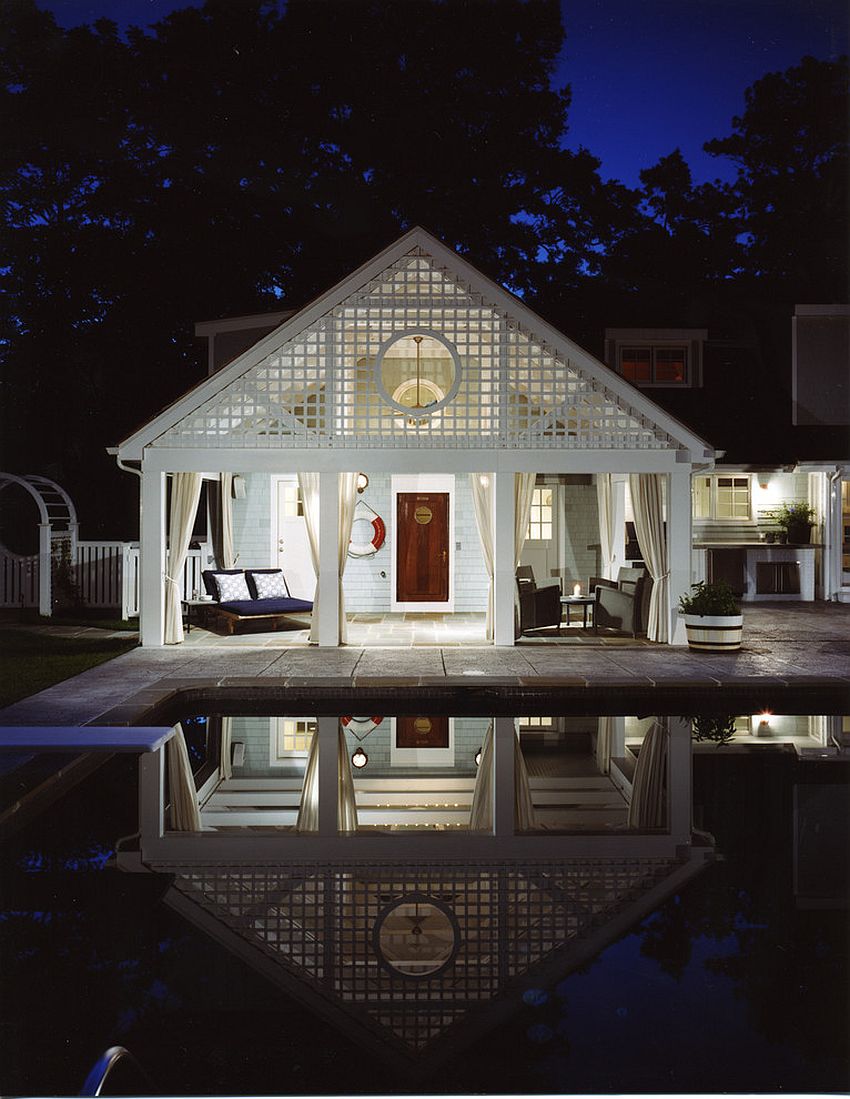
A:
45, 570
680, 781
504, 569
504, 735
328, 774
618, 537
328, 560
679, 539
152, 563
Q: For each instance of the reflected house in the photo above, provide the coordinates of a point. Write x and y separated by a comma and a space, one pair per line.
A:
562, 834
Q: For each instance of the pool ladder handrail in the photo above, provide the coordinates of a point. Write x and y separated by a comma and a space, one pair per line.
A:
104, 1065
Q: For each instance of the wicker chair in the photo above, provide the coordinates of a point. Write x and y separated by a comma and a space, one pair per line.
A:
538, 607
622, 604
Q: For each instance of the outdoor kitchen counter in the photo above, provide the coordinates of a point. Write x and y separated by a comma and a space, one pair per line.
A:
770, 570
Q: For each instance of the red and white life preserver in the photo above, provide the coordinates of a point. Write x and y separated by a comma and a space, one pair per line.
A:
360, 726
360, 547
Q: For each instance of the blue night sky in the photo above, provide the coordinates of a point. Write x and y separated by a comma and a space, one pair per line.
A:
646, 75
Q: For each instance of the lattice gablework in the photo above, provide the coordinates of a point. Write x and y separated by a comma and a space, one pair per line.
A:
320, 388
282, 401
319, 923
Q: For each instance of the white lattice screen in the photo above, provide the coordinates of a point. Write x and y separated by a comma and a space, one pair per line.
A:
318, 389
318, 921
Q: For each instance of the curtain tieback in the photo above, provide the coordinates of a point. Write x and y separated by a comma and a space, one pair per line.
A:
663, 576
169, 579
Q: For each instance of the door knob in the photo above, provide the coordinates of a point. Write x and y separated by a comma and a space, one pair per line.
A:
280, 543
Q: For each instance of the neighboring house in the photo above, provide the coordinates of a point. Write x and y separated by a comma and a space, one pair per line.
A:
460, 406
782, 429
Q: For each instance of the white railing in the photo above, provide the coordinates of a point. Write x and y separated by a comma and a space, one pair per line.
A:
106, 575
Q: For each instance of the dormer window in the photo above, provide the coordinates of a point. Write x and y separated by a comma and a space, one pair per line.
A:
656, 357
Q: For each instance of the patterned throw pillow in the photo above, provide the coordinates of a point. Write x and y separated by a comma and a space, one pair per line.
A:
270, 585
231, 586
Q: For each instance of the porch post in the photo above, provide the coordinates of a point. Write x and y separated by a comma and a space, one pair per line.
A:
327, 732
152, 554
678, 547
504, 568
504, 735
45, 570
328, 559
680, 786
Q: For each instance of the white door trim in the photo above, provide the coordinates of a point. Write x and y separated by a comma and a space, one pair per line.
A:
421, 482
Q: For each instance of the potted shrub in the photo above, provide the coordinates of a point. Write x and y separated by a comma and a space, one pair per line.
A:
796, 521
712, 616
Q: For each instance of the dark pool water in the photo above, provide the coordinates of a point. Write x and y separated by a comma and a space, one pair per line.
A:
729, 986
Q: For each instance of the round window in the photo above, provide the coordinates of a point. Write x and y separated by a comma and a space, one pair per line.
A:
418, 373
416, 937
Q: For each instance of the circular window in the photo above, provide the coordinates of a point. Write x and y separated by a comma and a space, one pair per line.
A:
416, 937
418, 373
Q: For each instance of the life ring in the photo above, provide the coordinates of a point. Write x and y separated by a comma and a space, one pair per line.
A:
361, 546
360, 726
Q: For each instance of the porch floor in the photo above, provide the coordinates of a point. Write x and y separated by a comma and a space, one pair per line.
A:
403, 631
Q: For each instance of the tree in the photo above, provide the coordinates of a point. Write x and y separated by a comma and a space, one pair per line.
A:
791, 150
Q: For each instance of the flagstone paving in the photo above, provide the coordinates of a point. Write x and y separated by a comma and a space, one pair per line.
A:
794, 645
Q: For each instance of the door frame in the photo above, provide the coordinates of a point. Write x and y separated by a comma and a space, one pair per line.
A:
276, 479
421, 482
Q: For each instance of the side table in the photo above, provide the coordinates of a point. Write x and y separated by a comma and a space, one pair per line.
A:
200, 615
583, 601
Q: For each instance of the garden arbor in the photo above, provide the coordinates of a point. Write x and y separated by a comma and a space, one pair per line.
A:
57, 529
417, 364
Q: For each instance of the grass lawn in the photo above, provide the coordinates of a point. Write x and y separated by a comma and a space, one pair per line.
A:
29, 662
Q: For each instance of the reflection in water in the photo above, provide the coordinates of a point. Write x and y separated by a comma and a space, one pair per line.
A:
515, 971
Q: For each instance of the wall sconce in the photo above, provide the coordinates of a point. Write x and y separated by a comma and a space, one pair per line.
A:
359, 759
478, 758
362, 482
240, 487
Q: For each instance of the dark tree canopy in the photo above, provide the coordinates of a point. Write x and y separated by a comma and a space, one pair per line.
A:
239, 155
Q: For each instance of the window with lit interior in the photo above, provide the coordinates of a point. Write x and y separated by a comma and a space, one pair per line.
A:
540, 518
418, 373
722, 497
654, 364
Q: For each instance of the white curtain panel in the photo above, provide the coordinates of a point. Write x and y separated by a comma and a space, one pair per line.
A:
225, 746
308, 809
308, 484
604, 730
225, 488
648, 807
605, 503
185, 815
523, 491
185, 493
648, 507
347, 504
481, 485
481, 811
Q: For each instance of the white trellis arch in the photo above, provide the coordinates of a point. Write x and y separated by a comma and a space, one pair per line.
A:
525, 399
57, 524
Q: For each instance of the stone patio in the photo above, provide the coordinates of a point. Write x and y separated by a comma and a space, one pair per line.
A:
795, 646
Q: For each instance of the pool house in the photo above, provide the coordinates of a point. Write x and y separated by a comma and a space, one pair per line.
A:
402, 444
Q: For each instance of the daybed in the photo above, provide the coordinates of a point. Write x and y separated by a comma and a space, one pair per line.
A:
251, 595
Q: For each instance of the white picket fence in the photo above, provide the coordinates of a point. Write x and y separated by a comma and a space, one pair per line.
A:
106, 575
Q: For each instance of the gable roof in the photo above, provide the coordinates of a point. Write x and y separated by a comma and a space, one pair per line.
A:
559, 394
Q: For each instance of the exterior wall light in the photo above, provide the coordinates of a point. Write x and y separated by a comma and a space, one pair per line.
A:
359, 759
478, 758
362, 482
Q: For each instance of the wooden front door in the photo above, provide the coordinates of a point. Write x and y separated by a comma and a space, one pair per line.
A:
422, 567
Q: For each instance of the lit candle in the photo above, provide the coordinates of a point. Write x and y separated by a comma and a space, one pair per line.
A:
576, 589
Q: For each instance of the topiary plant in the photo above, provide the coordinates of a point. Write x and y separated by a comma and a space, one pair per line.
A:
717, 600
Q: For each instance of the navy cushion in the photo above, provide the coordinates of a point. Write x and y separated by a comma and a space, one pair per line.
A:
266, 606
252, 585
208, 577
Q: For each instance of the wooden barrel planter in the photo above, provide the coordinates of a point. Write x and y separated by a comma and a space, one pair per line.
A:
714, 633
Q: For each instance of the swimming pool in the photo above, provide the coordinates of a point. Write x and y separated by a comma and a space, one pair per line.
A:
604, 955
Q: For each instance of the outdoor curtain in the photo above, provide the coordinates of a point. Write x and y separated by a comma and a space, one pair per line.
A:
647, 505
347, 496
308, 485
605, 504
604, 731
185, 493
220, 502
225, 748
308, 809
481, 812
523, 492
481, 485
182, 795
648, 807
